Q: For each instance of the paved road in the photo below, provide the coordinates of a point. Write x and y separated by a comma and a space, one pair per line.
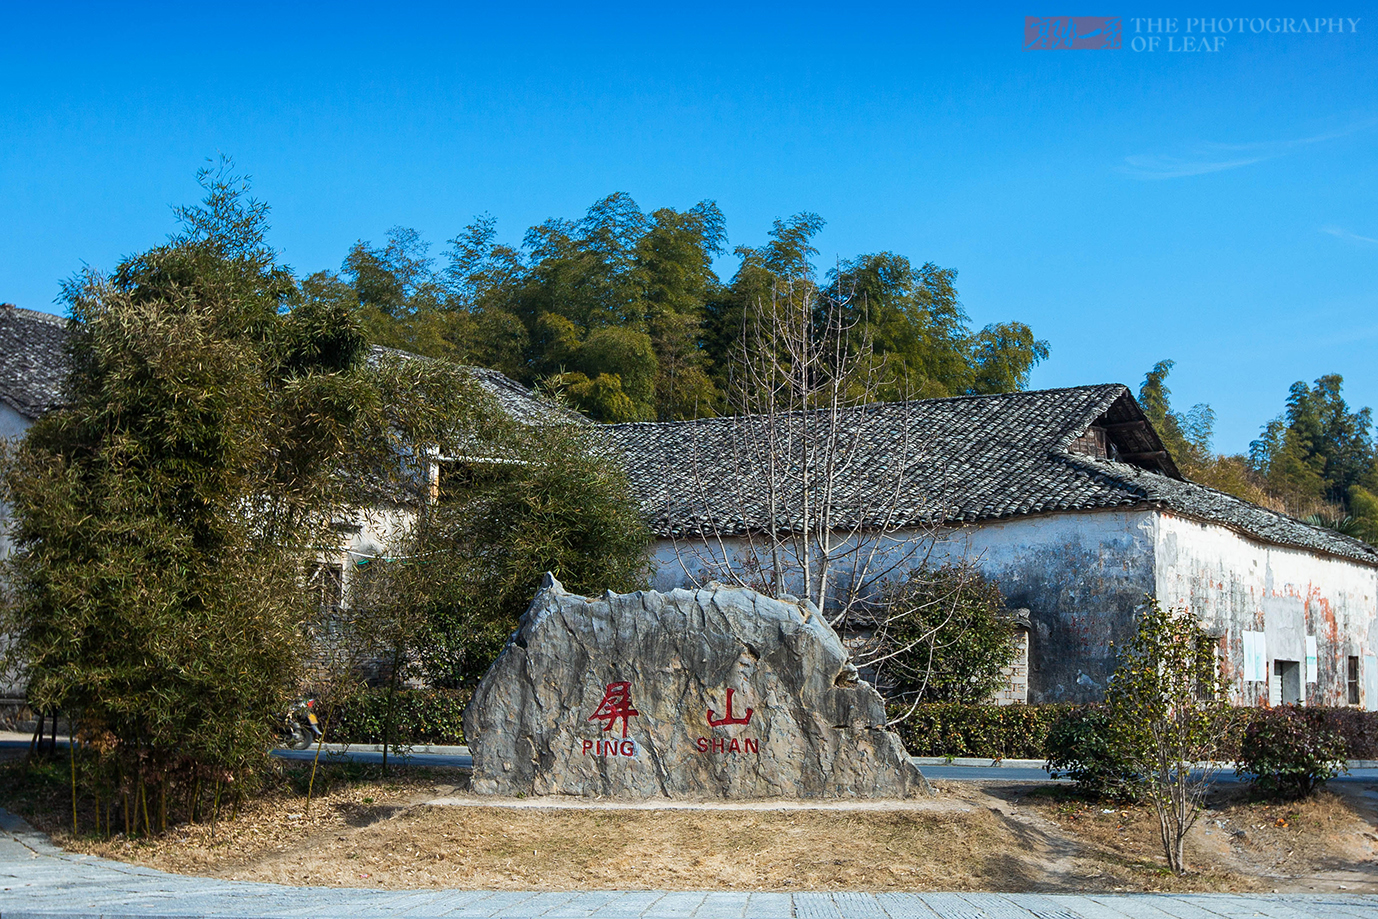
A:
39, 880
962, 771
465, 761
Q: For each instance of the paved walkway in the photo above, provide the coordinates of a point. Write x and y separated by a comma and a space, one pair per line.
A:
39, 880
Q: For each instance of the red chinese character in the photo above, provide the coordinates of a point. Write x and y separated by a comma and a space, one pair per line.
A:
617, 703
729, 718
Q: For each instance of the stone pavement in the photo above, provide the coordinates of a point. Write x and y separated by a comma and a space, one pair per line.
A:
39, 880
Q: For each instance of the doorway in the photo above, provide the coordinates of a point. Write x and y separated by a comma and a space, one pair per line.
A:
1285, 687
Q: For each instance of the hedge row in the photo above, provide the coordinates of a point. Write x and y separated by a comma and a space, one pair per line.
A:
420, 716
436, 716
1021, 731
986, 731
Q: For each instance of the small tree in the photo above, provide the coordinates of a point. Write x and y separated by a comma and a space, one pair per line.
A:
942, 635
1168, 718
786, 498
540, 497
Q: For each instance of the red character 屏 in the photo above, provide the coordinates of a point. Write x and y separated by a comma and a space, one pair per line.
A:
617, 703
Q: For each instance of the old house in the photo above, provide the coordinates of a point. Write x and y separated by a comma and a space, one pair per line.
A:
33, 368
372, 533
1067, 499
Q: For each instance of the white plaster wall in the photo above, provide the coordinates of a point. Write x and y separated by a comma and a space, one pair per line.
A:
379, 535
12, 424
1234, 583
12, 427
1080, 574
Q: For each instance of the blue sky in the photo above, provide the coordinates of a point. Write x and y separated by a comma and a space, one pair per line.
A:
1216, 208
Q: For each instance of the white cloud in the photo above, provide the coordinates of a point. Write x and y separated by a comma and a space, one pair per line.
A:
1342, 233
1208, 157
1157, 166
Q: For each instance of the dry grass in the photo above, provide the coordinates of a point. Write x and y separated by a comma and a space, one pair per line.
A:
1329, 842
369, 832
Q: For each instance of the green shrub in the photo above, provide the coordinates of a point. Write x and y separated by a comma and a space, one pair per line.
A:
942, 635
420, 716
1072, 737
1359, 729
1289, 752
1079, 746
986, 731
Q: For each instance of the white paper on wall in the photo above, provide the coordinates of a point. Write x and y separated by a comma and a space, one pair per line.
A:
1255, 657
1370, 683
1311, 667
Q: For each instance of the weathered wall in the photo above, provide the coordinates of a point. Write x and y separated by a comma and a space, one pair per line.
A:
1081, 575
12, 424
12, 427
1234, 583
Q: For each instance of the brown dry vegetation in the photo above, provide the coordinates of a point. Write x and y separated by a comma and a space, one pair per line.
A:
366, 831
1329, 842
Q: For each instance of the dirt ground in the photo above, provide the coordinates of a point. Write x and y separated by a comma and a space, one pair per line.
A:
367, 831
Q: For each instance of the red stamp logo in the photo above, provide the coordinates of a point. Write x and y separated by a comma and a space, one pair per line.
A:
1072, 33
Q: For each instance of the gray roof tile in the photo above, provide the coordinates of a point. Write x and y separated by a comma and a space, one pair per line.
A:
33, 359
959, 460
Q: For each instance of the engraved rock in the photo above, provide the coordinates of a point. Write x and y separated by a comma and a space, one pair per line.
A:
712, 693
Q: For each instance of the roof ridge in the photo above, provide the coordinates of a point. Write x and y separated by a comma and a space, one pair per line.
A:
1300, 521
962, 398
1118, 474
36, 315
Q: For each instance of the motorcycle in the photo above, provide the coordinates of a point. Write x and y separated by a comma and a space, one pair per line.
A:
300, 726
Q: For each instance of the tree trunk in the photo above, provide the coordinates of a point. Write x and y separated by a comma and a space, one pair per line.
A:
392, 695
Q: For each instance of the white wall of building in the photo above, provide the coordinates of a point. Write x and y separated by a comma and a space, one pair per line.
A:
1083, 574
12, 427
1237, 584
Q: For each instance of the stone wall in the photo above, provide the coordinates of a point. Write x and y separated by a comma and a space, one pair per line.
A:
1015, 690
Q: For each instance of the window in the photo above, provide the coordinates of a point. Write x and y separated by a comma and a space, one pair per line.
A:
1207, 666
454, 478
1093, 443
325, 581
1352, 678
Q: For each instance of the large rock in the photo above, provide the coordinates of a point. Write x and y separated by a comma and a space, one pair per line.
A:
715, 693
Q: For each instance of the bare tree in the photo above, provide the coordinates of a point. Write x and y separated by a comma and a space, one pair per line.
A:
811, 487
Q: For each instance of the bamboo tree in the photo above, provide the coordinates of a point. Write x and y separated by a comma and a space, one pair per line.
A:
215, 422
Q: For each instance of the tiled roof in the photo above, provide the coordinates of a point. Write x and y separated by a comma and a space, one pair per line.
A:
957, 460
519, 402
33, 366
33, 359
